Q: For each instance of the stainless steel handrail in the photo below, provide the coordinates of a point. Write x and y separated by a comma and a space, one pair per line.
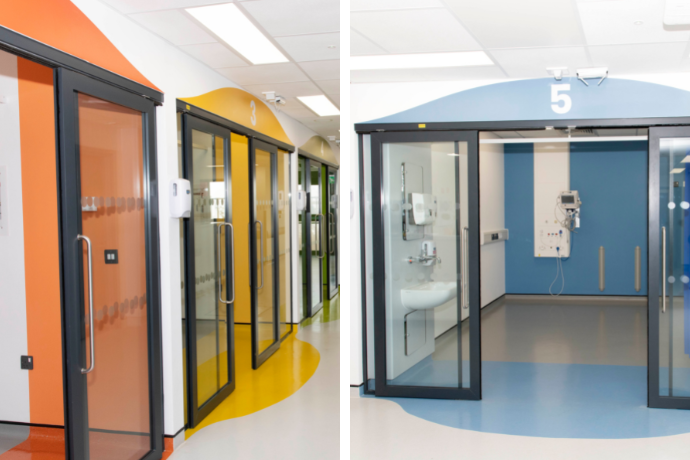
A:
261, 249
663, 269
232, 243
92, 364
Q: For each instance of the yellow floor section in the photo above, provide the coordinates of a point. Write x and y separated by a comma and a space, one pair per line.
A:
279, 377
329, 312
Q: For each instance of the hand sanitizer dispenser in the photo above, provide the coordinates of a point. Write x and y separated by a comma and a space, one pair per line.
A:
301, 201
423, 208
180, 198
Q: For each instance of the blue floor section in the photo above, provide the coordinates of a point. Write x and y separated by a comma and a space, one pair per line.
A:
556, 401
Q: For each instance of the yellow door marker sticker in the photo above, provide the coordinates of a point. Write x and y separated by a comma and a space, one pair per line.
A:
422, 125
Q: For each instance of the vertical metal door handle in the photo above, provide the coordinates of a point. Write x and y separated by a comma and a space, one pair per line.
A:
261, 247
93, 357
232, 245
638, 269
663, 269
321, 248
466, 245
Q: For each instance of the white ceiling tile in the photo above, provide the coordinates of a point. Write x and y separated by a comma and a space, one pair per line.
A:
413, 31
138, 6
290, 17
330, 86
297, 111
362, 46
322, 70
532, 62
326, 126
370, 5
311, 47
335, 98
173, 26
445, 74
613, 22
268, 73
639, 58
520, 24
288, 90
214, 55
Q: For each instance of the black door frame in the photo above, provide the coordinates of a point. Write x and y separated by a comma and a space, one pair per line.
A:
311, 308
332, 226
258, 358
195, 413
658, 127
654, 269
471, 138
74, 338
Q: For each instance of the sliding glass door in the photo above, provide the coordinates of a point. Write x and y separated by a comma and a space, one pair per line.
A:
109, 231
264, 248
425, 240
332, 216
311, 234
210, 286
669, 272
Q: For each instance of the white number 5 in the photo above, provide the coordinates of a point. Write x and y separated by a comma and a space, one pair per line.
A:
556, 98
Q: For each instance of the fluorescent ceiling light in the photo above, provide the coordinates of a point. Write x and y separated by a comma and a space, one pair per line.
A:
686, 159
320, 105
418, 61
677, 170
235, 29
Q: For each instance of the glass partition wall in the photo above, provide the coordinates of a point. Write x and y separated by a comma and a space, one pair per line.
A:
209, 272
110, 271
332, 268
312, 239
235, 180
669, 276
422, 219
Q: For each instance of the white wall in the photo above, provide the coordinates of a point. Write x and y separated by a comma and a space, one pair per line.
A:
14, 384
492, 217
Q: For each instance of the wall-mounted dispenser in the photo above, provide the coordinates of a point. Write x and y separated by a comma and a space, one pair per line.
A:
180, 198
423, 210
301, 200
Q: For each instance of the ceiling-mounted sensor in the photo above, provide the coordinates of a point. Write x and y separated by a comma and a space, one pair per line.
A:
677, 12
270, 95
557, 72
331, 138
593, 72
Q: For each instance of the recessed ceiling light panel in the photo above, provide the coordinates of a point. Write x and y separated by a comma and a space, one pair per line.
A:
235, 29
320, 105
417, 61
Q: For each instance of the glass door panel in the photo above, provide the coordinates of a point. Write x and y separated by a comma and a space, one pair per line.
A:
110, 279
669, 317
332, 187
303, 236
426, 316
316, 230
265, 317
284, 247
210, 289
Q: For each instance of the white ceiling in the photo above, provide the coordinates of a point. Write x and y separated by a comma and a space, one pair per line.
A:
306, 31
522, 38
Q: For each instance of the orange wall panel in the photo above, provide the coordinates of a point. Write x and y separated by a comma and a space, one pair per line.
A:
60, 24
41, 242
239, 159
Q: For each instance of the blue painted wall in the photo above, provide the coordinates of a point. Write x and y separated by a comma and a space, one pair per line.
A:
611, 178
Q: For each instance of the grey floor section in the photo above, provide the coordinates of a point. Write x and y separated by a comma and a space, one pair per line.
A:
566, 331
305, 426
11, 436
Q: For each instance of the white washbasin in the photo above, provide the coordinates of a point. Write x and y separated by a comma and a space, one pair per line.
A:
429, 295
